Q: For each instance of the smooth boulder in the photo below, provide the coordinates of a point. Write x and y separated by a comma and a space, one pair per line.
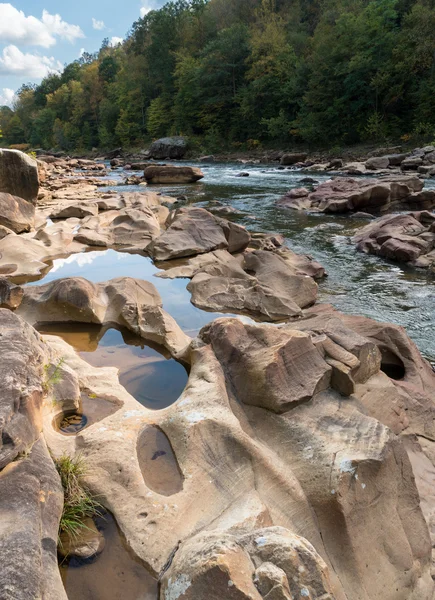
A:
19, 175
192, 231
169, 174
16, 213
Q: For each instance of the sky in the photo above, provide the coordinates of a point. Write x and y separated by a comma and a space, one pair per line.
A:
41, 36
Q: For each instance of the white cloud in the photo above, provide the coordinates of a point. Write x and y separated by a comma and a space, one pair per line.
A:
149, 5
15, 27
7, 97
98, 25
114, 41
15, 62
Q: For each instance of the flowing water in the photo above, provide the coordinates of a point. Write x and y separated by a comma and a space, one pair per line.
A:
357, 284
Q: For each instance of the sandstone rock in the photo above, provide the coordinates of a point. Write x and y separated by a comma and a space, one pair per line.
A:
31, 501
341, 195
377, 163
130, 303
336, 163
411, 163
327, 471
169, 174
19, 175
88, 542
402, 238
395, 160
15, 213
194, 231
268, 368
79, 211
282, 566
169, 147
293, 158
21, 390
10, 295
262, 285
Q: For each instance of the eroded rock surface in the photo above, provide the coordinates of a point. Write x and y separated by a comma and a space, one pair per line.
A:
16, 214
342, 195
293, 477
130, 303
19, 175
31, 496
169, 174
405, 238
192, 231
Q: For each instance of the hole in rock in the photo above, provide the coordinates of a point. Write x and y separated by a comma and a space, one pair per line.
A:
391, 364
147, 372
115, 574
158, 462
91, 410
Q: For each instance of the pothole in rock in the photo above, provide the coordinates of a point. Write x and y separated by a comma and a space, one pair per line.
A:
391, 364
147, 372
91, 410
114, 574
158, 462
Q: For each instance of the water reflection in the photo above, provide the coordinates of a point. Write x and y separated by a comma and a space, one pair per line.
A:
113, 575
147, 373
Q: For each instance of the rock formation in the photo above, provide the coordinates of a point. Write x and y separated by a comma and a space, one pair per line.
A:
169, 148
405, 238
169, 174
19, 175
342, 195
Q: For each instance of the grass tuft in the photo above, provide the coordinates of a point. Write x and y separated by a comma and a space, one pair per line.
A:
79, 504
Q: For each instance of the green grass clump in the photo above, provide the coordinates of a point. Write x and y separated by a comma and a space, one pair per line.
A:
79, 504
52, 375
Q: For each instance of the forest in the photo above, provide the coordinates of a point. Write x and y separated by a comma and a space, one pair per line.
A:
244, 74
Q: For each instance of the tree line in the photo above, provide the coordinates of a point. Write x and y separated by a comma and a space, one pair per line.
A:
244, 73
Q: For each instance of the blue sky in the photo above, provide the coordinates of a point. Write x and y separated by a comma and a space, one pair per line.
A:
39, 36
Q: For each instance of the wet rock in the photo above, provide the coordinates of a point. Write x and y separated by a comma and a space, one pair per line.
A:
242, 174
88, 542
405, 238
169, 147
335, 163
342, 195
170, 174
19, 175
130, 303
10, 295
293, 158
15, 213
192, 231
207, 159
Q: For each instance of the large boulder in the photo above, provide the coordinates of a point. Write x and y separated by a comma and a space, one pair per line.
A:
193, 231
169, 147
16, 214
293, 158
405, 238
344, 194
377, 163
19, 175
168, 174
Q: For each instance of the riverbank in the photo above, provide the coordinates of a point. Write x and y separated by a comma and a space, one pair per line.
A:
293, 417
